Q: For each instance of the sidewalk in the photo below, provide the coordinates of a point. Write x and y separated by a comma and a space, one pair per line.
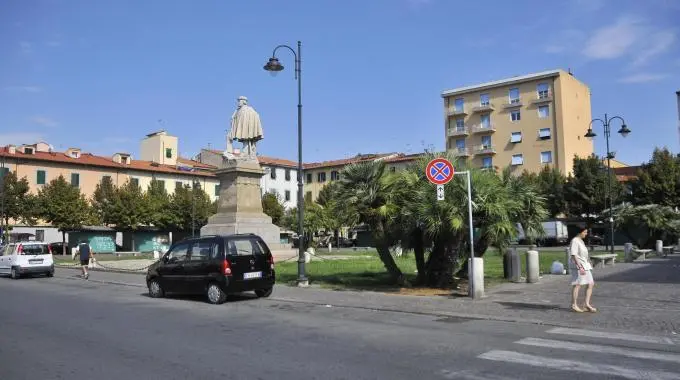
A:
641, 296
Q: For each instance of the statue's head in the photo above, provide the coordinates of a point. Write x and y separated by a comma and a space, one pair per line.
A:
242, 101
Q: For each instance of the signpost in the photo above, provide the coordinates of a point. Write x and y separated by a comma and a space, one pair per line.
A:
439, 172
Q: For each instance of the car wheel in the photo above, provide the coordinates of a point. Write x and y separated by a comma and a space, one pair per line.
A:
14, 274
155, 289
264, 293
215, 294
50, 274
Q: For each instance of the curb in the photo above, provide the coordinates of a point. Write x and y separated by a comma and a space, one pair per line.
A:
94, 269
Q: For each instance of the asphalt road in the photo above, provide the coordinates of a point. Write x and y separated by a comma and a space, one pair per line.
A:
67, 328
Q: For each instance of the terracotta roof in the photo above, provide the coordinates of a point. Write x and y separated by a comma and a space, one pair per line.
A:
405, 157
277, 162
627, 173
88, 159
346, 161
195, 164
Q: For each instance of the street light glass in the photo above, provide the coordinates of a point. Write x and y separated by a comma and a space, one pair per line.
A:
590, 134
624, 131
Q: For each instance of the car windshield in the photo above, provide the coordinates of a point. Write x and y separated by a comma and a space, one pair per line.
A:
34, 249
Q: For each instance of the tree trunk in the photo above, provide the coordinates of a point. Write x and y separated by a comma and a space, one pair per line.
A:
440, 266
480, 248
385, 255
419, 252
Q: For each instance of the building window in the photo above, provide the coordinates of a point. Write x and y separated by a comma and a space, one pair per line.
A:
335, 175
28, 150
459, 104
287, 174
40, 177
178, 185
168, 152
517, 159
309, 177
272, 173
487, 163
75, 179
134, 181
546, 157
105, 177
484, 100
516, 137
460, 144
486, 120
513, 94
460, 124
543, 112
217, 190
544, 133
321, 177
4, 172
515, 116
486, 142
542, 90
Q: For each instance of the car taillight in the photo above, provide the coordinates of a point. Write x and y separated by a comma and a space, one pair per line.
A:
20, 249
49, 249
271, 262
226, 268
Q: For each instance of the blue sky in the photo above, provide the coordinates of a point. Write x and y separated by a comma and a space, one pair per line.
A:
101, 74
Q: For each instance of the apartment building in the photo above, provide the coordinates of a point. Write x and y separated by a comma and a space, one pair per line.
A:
525, 122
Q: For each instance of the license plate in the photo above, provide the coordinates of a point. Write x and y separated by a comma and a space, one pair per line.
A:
35, 261
251, 275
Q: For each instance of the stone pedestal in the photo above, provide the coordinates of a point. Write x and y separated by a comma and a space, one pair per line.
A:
239, 209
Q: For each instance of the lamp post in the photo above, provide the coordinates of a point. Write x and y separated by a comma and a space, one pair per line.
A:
2, 200
274, 66
623, 131
195, 185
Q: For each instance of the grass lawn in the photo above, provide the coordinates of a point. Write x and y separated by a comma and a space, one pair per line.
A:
369, 273
60, 259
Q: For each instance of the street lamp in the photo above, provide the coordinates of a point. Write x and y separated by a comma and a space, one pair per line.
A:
623, 131
2, 200
274, 66
195, 185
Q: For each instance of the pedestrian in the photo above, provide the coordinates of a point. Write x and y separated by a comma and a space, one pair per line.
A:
582, 275
86, 253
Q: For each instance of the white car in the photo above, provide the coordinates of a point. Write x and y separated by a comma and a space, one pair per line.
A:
28, 257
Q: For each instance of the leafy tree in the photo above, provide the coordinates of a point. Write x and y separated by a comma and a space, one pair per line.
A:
335, 214
271, 205
103, 200
646, 224
157, 205
551, 185
313, 219
63, 206
658, 180
128, 209
19, 203
191, 208
586, 192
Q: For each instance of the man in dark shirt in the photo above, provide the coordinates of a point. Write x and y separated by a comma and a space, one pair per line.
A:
85, 253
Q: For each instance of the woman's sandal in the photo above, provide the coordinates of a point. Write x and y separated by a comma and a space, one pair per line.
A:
576, 309
591, 309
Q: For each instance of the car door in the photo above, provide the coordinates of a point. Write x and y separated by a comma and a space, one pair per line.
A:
201, 264
171, 271
4, 260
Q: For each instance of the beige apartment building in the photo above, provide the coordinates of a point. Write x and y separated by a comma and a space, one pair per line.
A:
525, 122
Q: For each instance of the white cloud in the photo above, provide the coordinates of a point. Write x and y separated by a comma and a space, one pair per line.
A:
657, 44
24, 88
642, 78
615, 40
44, 121
18, 138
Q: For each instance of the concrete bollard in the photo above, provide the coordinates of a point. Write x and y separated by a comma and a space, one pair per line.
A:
515, 266
567, 261
330, 247
628, 253
532, 266
659, 247
476, 290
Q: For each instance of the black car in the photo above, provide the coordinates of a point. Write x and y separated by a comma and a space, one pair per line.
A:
215, 266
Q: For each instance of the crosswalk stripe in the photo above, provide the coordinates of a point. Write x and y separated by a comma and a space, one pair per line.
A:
572, 346
610, 335
571, 365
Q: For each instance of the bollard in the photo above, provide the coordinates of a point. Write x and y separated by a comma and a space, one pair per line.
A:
567, 261
330, 248
515, 266
532, 266
476, 290
628, 253
507, 263
659, 247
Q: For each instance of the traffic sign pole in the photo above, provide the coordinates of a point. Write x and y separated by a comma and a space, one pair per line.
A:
440, 192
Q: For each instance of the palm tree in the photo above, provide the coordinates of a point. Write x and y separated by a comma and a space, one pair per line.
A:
364, 191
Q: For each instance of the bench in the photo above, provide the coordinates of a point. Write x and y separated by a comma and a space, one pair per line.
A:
603, 259
641, 253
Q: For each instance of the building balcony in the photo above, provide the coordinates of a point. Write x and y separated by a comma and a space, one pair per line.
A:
515, 103
460, 152
488, 107
456, 112
543, 97
484, 149
454, 132
481, 128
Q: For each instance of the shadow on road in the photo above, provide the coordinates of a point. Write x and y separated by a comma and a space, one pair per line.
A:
232, 298
661, 271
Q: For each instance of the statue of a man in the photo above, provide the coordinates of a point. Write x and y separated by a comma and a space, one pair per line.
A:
245, 127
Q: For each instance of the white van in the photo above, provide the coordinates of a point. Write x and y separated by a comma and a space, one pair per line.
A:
28, 257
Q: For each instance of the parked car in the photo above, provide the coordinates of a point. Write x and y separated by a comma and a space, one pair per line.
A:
58, 248
215, 266
26, 258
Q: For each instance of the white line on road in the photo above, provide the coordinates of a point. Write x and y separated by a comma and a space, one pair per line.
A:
571, 365
473, 375
558, 344
611, 335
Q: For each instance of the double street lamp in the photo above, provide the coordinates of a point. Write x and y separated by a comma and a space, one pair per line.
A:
623, 131
274, 66
195, 185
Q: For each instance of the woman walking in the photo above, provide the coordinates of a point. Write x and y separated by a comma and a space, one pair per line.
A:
582, 274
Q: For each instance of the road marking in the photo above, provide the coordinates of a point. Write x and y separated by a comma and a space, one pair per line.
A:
610, 335
572, 346
571, 365
473, 375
